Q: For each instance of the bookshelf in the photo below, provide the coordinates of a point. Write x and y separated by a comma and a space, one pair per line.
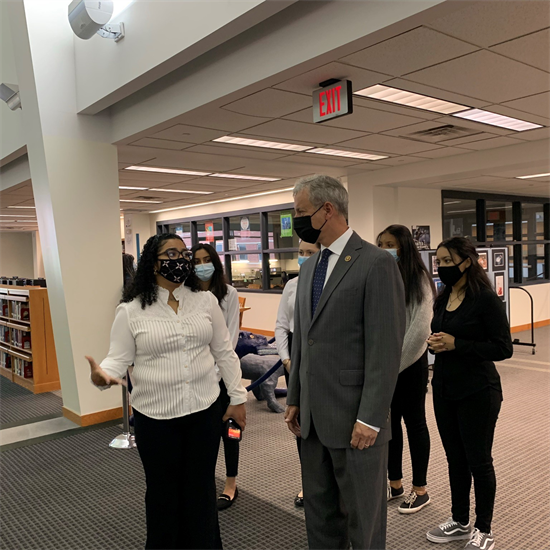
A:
27, 348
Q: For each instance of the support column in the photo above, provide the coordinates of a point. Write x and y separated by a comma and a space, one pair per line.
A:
74, 173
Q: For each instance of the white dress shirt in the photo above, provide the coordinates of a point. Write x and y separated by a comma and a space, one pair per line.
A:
285, 318
337, 247
174, 354
231, 310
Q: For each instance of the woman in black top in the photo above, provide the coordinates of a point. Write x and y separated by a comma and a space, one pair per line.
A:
469, 331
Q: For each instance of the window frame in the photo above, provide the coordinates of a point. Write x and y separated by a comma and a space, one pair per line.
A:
517, 242
264, 252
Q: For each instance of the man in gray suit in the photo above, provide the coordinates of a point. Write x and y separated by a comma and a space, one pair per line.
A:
348, 333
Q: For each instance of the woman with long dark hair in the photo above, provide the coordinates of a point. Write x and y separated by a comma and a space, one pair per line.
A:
209, 270
409, 398
175, 335
469, 332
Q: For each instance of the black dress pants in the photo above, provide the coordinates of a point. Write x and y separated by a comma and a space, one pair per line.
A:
409, 404
179, 458
467, 428
230, 446
287, 379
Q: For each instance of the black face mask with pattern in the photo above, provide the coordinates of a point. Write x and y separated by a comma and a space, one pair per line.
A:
175, 271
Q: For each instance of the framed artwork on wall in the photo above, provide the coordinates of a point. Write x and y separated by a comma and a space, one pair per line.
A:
432, 263
484, 260
499, 285
499, 260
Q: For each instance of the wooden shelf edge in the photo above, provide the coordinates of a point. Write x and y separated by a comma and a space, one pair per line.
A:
13, 324
46, 387
27, 383
15, 353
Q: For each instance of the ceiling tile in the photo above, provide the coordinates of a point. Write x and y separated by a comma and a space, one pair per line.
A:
217, 119
485, 75
195, 161
443, 152
459, 142
188, 134
289, 131
493, 143
397, 161
443, 132
534, 135
533, 49
307, 82
493, 21
314, 160
362, 119
389, 144
133, 155
142, 179
270, 103
538, 104
410, 51
161, 144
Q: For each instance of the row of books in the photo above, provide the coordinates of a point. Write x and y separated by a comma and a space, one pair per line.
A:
20, 311
21, 367
21, 339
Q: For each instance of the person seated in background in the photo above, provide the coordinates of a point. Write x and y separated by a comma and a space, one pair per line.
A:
209, 270
409, 397
175, 335
128, 269
285, 327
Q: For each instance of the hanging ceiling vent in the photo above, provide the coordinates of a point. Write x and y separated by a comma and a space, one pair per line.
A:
441, 133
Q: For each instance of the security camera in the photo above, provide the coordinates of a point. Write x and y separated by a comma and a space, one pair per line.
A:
9, 93
89, 18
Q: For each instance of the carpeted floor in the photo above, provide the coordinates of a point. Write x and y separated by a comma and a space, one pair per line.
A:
76, 493
18, 404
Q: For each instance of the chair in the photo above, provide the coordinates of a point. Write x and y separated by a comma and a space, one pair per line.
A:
242, 302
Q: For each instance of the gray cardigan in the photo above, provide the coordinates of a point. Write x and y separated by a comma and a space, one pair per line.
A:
419, 317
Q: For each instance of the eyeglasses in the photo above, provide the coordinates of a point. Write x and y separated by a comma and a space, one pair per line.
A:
174, 254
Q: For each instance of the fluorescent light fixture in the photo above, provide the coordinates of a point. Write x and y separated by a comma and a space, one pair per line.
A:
33, 207
452, 202
7, 221
241, 177
261, 143
532, 176
181, 191
486, 117
410, 99
149, 202
350, 154
18, 215
460, 211
133, 188
166, 170
222, 200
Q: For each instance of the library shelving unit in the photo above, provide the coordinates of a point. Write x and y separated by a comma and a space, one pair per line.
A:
27, 348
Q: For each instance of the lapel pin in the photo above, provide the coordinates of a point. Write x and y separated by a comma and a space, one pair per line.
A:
348, 258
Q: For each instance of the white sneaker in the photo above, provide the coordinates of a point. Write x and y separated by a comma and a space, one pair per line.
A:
481, 541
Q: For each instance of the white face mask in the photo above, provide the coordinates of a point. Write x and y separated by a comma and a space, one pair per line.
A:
393, 252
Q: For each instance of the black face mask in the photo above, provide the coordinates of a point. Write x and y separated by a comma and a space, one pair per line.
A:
175, 271
305, 230
451, 275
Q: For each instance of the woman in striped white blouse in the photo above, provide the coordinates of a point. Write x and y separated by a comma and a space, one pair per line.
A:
175, 335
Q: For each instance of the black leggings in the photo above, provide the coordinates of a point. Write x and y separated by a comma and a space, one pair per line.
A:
179, 460
467, 428
230, 446
409, 404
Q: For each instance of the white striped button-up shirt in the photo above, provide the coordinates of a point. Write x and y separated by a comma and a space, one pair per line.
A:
174, 355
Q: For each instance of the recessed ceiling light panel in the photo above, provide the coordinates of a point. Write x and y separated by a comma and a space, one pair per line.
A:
166, 170
149, 202
261, 143
410, 99
33, 207
350, 154
533, 176
241, 177
182, 191
486, 117
133, 188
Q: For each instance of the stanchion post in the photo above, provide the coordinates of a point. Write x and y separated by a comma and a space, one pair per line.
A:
125, 440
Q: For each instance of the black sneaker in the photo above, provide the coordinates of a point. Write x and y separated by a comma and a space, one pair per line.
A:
395, 493
413, 503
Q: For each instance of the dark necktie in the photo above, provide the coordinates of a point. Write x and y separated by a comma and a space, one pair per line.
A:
319, 280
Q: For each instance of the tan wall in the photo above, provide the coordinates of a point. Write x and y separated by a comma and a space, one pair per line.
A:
16, 254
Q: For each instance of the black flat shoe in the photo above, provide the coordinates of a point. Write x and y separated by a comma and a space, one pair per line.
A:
299, 501
225, 501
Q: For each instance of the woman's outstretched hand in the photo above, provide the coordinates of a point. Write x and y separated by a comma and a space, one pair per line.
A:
100, 377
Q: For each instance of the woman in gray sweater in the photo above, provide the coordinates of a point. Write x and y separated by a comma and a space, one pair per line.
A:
409, 398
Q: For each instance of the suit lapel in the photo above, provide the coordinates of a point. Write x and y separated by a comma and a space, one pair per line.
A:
351, 251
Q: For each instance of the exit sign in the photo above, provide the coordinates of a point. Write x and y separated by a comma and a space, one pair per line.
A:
333, 100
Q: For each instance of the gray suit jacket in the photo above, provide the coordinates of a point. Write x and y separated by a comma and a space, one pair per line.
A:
345, 360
